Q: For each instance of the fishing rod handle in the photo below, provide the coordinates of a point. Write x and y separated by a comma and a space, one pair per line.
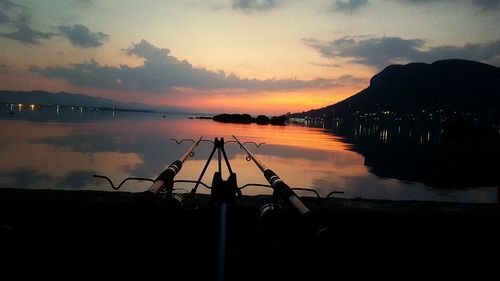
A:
166, 177
284, 191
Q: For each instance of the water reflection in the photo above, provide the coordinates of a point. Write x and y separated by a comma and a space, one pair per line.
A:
448, 156
41, 149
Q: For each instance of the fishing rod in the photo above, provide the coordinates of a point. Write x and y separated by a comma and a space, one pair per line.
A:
282, 190
166, 179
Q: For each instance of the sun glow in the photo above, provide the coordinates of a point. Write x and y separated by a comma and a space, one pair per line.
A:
240, 101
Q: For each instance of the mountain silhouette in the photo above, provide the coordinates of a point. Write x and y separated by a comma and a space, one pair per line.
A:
436, 124
72, 99
458, 85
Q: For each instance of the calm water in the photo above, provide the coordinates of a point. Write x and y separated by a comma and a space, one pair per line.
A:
63, 148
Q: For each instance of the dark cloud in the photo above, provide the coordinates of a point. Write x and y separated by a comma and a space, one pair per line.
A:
4, 68
76, 179
81, 36
27, 35
87, 74
484, 4
254, 5
4, 18
424, 1
13, 13
380, 52
488, 4
22, 178
18, 17
84, 4
349, 6
481, 52
7, 5
161, 71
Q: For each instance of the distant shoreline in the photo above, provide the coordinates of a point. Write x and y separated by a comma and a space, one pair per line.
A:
248, 119
78, 106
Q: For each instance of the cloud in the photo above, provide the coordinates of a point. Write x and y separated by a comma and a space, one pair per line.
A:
425, 1
76, 179
13, 13
22, 178
4, 68
162, 71
350, 6
484, 4
80, 36
150, 52
4, 18
27, 35
254, 5
380, 52
488, 4
325, 64
19, 17
84, 4
7, 5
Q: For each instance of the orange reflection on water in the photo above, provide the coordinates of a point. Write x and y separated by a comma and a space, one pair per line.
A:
300, 155
65, 151
290, 135
296, 171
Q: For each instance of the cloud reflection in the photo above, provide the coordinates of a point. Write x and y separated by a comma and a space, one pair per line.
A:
66, 155
38, 165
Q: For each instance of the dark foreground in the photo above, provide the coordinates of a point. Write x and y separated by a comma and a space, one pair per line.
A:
86, 235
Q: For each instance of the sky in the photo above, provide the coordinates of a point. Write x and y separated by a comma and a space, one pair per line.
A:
253, 56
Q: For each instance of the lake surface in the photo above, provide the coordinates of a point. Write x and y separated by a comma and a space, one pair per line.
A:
62, 148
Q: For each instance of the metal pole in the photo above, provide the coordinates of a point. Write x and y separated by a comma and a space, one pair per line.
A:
220, 146
222, 242
193, 191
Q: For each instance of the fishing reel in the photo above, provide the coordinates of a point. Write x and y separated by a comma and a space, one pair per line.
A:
174, 201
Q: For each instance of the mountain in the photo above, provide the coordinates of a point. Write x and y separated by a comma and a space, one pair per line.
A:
445, 85
436, 124
69, 99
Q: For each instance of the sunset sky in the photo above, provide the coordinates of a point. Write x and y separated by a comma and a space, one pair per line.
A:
255, 56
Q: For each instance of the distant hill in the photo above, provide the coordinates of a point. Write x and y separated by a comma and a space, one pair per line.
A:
446, 85
248, 119
69, 99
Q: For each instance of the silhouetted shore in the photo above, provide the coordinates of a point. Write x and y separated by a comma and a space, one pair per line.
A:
90, 232
248, 119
